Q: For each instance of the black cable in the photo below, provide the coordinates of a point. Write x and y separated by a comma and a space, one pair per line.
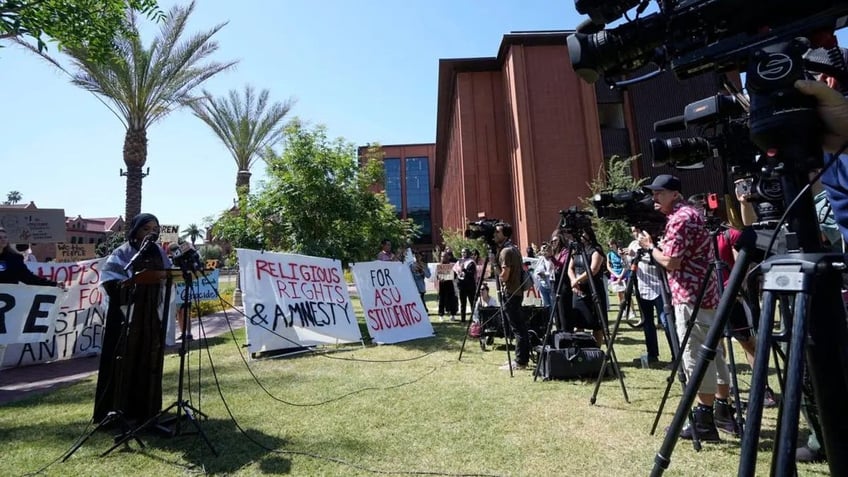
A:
317, 456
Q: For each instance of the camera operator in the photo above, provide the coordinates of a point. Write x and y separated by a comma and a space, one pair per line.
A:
686, 254
509, 265
579, 272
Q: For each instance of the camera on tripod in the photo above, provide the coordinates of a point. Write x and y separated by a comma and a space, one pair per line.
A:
573, 221
634, 207
482, 229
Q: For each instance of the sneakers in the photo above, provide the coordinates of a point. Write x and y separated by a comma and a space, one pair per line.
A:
516, 366
441, 318
705, 425
723, 416
806, 455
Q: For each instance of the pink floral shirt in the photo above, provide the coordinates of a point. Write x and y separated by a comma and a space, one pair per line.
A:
686, 237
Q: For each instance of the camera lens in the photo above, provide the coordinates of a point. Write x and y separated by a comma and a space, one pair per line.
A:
680, 152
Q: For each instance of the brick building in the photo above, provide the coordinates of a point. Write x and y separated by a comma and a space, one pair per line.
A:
519, 136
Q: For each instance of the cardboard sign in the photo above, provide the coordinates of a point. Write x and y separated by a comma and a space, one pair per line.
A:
169, 233
74, 252
33, 225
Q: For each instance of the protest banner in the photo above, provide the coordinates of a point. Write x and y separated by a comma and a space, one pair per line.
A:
74, 252
27, 313
294, 300
204, 288
33, 225
391, 303
80, 313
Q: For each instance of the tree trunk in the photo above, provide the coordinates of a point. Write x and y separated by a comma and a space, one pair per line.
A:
243, 183
135, 156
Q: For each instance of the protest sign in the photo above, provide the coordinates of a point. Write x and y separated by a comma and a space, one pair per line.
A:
391, 303
204, 288
33, 225
444, 271
169, 233
80, 313
294, 300
74, 252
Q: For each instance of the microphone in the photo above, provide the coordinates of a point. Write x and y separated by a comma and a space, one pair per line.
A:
676, 123
150, 238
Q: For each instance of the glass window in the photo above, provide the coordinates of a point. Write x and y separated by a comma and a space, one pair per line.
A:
418, 196
392, 168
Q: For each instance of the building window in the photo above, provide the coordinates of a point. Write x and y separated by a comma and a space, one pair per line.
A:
91, 240
418, 196
392, 168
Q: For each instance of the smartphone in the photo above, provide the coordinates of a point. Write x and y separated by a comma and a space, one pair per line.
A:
743, 187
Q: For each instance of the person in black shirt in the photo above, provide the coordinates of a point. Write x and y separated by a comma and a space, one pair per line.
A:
12, 267
585, 314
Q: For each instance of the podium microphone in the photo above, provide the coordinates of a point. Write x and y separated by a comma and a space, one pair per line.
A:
149, 239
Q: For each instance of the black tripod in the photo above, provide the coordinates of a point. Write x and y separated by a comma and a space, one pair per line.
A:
501, 313
183, 407
623, 309
562, 292
817, 332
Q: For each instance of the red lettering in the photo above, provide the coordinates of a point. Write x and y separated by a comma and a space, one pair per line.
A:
264, 267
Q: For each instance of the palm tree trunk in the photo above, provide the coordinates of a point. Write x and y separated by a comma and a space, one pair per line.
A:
242, 183
135, 156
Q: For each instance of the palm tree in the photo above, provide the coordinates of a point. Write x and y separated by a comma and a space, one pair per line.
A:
145, 84
246, 124
192, 232
13, 197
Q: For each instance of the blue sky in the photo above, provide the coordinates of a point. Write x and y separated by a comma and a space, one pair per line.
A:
366, 69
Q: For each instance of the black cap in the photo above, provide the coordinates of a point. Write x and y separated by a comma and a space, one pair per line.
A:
664, 182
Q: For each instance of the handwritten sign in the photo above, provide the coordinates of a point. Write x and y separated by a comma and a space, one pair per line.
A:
294, 300
203, 288
169, 233
74, 252
33, 225
444, 271
393, 308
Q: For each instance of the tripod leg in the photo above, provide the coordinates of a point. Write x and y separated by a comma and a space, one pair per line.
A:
751, 436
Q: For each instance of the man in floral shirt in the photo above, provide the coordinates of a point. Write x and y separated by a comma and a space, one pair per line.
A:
685, 253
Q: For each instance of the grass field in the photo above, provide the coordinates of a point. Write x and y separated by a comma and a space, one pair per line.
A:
398, 409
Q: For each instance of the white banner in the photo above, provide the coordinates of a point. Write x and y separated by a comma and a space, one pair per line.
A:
27, 313
393, 308
77, 325
303, 299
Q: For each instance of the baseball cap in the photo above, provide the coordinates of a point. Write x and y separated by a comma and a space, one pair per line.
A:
664, 182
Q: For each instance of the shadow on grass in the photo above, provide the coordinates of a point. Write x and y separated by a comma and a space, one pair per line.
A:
235, 449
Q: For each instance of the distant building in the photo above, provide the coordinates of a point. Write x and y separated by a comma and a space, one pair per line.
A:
519, 136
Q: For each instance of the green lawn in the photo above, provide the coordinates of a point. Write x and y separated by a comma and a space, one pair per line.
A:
417, 409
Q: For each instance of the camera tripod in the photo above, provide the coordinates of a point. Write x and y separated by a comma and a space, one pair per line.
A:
815, 331
182, 406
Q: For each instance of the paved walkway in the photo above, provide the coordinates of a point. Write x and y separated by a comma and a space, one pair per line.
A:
18, 383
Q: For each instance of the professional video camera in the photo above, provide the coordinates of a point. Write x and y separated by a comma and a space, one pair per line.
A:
636, 208
185, 257
690, 36
572, 221
726, 118
484, 229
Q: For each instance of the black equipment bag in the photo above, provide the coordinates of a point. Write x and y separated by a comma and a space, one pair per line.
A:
571, 363
565, 339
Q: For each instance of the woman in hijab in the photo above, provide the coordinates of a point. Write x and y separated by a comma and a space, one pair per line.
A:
129, 381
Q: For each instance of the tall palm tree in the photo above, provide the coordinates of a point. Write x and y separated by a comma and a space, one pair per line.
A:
145, 84
13, 197
191, 233
247, 124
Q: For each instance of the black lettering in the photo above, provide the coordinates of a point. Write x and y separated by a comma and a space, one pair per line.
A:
35, 312
7, 302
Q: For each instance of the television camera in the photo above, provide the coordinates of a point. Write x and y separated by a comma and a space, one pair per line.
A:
725, 118
482, 229
573, 221
636, 208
